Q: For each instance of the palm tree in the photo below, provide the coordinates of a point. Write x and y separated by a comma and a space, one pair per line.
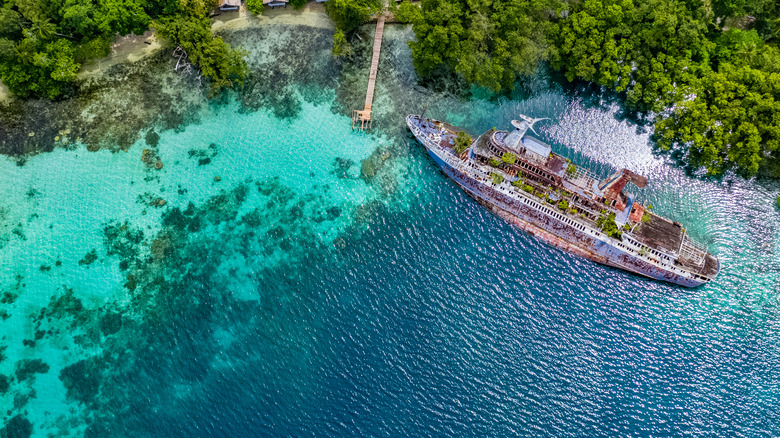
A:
24, 56
747, 51
43, 27
774, 28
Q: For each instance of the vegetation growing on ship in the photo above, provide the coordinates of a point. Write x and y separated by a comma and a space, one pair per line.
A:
563, 204
607, 224
509, 158
44, 43
645, 217
495, 162
497, 178
571, 170
462, 142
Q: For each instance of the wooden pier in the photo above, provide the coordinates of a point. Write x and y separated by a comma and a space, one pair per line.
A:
361, 119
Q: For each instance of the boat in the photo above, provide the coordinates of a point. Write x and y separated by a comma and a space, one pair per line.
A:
518, 177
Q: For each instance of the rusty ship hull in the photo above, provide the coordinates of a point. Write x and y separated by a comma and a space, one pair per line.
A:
545, 222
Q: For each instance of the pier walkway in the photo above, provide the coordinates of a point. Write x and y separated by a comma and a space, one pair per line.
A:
361, 119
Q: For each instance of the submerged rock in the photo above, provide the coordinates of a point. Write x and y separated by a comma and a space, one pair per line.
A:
5, 384
89, 258
161, 247
110, 323
17, 427
341, 167
152, 138
27, 368
131, 283
371, 165
81, 380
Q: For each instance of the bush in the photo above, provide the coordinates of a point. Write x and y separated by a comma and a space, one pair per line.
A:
571, 170
406, 12
255, 6
509, 158
497, 179
495, 162
528, 189
217, 61
349, 14
607, 223
563, 205
517, 183
462, 142
645, 217
341, 47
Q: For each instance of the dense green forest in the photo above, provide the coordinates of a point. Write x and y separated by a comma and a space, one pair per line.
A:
43, 43
707, 73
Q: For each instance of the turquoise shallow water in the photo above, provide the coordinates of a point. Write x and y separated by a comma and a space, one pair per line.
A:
278, 291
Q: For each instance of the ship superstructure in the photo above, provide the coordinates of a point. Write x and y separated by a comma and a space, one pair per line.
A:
519, 178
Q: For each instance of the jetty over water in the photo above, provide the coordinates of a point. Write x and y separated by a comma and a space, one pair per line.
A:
361, 119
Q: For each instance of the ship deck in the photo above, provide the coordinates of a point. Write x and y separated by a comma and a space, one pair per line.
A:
658, 240
660, 233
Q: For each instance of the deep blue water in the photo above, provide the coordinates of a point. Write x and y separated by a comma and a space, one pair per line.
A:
292, 296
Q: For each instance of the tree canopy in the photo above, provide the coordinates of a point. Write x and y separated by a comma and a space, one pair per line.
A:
648, 48
488, 42
43, 43
708, 73
191, 30
715, 91
347, 15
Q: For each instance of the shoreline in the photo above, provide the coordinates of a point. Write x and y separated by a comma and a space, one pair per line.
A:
5, 93
126, 49
132, 48
312, 15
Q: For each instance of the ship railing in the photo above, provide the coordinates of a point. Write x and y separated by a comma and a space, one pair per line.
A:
628, 245
692, 251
